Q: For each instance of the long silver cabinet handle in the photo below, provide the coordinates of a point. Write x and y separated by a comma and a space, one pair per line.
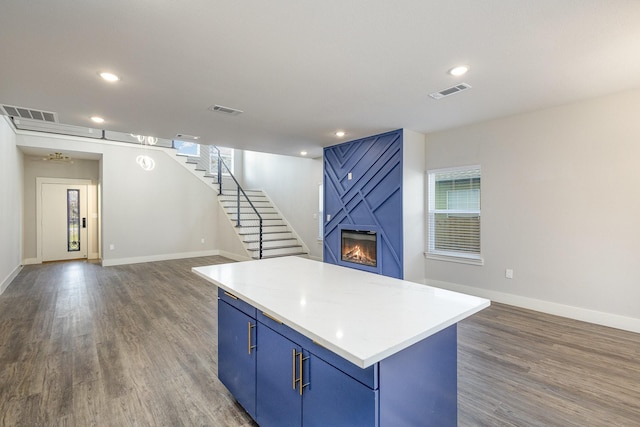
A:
249, 346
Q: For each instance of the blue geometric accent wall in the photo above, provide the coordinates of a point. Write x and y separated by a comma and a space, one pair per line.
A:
373, 197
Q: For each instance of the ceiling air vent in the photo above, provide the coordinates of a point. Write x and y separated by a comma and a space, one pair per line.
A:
225, 110
184, 136
450, 91
29, 113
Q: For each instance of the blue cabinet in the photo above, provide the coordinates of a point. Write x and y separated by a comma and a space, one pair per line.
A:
297, 388
237, 355
282, 378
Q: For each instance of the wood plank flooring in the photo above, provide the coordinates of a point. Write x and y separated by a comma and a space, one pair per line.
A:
83, 345
519, 367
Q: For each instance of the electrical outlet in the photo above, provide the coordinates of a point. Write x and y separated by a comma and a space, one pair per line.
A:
508, 273
112, 247
202, 240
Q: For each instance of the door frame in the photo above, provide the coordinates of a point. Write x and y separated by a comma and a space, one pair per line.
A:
64, 181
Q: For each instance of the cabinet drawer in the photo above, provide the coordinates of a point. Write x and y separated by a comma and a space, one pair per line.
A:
283, 329
228, 297
367, 376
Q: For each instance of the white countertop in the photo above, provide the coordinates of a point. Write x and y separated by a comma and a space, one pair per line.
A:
363, 317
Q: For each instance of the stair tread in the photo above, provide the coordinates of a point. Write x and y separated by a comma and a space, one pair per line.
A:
282, 255
275, 247
263, 226
266, 232
243, 218
249, 210
242, 202
272, 240
257, 193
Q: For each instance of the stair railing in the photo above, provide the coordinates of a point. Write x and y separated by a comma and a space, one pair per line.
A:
239, 190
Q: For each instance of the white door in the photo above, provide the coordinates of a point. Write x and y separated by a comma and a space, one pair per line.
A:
64, 221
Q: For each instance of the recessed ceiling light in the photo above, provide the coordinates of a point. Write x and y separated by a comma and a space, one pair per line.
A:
303, 153
459, 70
110, 77
340, 134
97, 119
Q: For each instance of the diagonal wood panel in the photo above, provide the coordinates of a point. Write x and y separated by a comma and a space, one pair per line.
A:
372, 197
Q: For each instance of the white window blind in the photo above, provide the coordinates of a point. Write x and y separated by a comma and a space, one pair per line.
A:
454, 214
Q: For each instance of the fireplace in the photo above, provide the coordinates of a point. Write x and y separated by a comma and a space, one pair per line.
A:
359, 247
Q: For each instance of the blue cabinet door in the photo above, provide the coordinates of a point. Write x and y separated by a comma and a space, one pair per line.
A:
333, 398
278, 396
236, 361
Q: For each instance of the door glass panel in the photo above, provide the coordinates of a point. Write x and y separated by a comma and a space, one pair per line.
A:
73, 220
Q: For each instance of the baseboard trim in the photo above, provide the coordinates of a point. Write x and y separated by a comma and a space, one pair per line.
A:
31, 261
631, 324
233, 256
153, 258
7, 280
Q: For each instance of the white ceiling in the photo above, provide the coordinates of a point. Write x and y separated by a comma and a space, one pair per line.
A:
302, 69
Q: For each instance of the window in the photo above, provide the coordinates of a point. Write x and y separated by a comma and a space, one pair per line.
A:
186, 148
227, 157
454, 214
73, 220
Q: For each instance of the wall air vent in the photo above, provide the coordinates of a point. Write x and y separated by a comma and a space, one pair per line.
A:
225, 110
29, 113
450, 91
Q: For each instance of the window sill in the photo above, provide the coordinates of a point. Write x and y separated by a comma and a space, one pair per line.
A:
454, 258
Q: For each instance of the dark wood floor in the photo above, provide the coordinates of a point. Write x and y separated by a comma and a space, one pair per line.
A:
519, 367
135, 345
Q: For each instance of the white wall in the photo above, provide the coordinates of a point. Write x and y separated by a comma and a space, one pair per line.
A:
560, 206
413, 204
146, 216
292, 184
35, 167
229, 244
10, 205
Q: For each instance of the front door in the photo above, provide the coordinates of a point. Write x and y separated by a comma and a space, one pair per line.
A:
64, 221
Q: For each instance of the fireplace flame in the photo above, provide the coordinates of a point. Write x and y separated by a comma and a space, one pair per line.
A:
357, 254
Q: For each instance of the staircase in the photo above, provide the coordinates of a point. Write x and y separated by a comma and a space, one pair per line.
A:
278, 238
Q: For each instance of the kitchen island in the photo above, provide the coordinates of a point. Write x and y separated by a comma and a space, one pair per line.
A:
302, 342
